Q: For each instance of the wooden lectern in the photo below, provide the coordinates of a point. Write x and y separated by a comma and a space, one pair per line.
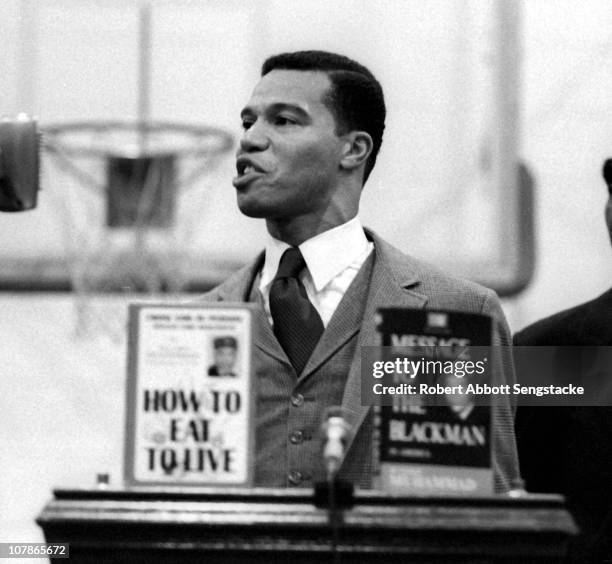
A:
274, 526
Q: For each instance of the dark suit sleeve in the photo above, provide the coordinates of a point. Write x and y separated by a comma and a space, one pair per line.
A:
568, 449
541, 433
588, 463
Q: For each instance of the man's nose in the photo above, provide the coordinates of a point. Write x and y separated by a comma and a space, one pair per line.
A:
254, 138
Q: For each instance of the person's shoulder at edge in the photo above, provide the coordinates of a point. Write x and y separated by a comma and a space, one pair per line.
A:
234, 281
439, 285
570, 326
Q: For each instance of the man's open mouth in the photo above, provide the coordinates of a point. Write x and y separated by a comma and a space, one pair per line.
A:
246, 166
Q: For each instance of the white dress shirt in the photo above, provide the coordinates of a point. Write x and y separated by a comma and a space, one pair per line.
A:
332, 258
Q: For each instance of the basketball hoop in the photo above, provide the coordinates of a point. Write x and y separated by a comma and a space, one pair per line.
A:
130, 215
127, 203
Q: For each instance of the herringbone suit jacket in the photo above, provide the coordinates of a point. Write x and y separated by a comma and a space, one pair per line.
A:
398, 280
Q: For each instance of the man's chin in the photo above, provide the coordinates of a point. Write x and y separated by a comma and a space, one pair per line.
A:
252, 208
252, 211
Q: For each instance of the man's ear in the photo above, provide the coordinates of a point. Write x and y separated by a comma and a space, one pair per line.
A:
356, 149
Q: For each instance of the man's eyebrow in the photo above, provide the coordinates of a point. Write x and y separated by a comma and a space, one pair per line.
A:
277, 107
280, 106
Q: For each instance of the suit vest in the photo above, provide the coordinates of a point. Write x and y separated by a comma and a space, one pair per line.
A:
290, 407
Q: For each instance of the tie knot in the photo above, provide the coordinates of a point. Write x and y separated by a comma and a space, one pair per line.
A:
291, 264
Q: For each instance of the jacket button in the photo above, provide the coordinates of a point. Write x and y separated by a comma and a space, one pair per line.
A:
295, 477
297, 437
297, 400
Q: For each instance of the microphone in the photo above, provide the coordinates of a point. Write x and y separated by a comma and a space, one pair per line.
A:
334, 494
19, 164
335, 432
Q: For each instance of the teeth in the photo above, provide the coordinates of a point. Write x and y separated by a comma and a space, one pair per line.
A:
248, 169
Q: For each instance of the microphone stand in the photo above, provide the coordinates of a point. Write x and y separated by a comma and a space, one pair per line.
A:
336, 518
334, 494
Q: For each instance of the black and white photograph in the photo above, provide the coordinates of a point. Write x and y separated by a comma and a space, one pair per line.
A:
206, 206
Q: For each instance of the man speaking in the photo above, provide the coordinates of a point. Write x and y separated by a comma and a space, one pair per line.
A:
312, 130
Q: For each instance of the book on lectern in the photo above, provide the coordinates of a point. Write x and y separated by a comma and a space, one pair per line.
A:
190, 409
433, 437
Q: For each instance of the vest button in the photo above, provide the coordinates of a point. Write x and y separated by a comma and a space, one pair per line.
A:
297, 437
297, 400
295, 477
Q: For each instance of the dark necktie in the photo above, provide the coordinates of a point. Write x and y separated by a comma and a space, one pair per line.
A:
297, 324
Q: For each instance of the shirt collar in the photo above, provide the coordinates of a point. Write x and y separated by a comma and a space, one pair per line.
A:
274, 252
326, 254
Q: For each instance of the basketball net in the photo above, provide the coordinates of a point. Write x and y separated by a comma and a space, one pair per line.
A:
127, 195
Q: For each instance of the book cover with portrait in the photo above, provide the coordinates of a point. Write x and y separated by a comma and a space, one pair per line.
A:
190, 414
435, 440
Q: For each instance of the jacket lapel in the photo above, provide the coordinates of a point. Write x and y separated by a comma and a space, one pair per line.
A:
263, 335
393, 284
238, 286
345, 321
241, 287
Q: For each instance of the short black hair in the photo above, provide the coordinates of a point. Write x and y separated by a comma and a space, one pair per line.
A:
355, 99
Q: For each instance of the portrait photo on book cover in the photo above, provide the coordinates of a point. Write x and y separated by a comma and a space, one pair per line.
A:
225, 352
